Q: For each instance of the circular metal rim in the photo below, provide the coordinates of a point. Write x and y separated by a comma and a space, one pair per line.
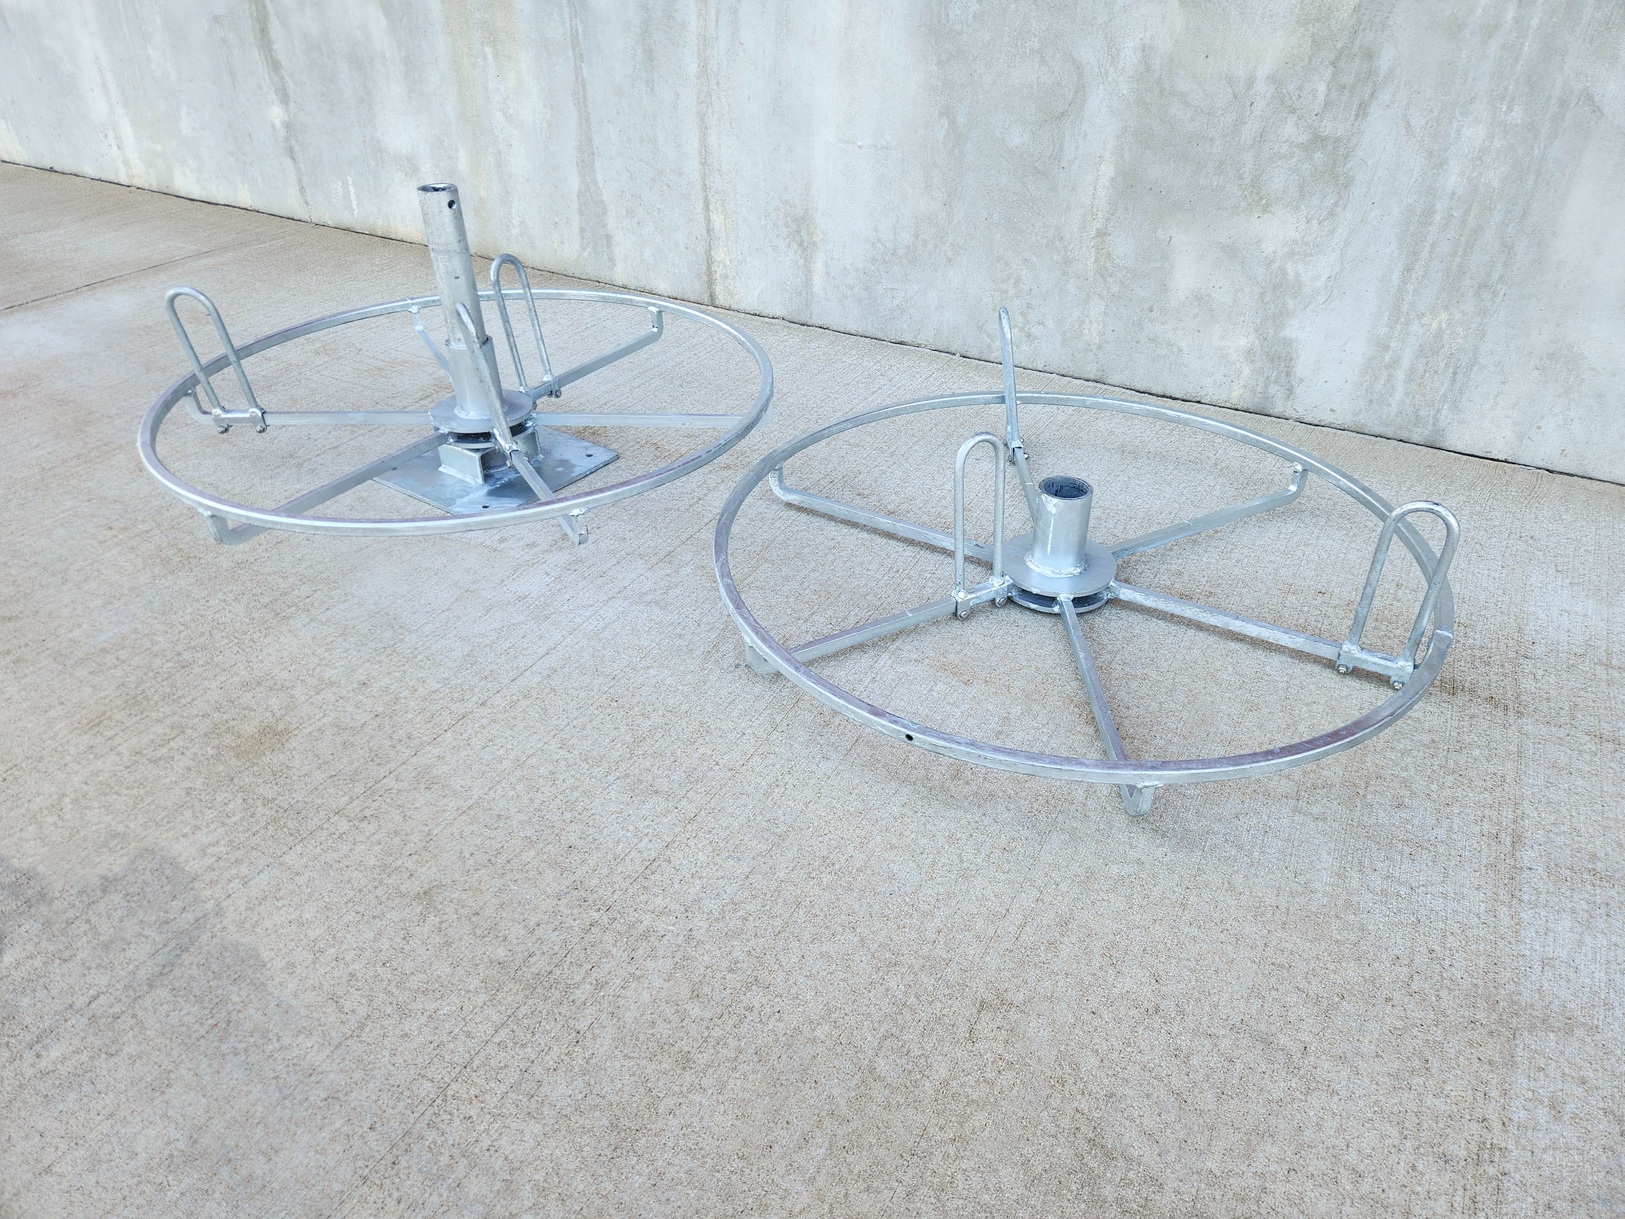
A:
418, 526
1141, 772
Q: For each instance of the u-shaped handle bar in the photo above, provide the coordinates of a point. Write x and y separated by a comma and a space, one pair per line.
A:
508, 260
1001, 458
221, 417
1441, 565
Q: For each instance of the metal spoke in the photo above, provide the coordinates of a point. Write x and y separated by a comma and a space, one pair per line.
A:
574, 529
853, 515
625, 419
1136, 799
551, 387
878, 629
550, 418
1266, 632
233, 534
1012, 415
347, 418
1213, 520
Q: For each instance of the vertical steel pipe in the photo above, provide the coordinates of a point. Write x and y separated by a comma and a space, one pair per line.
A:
454, 276
1061, 525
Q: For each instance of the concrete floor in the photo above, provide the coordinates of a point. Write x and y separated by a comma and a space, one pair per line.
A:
479, 875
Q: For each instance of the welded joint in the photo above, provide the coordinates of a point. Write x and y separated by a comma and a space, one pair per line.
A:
228, 534
1137, 799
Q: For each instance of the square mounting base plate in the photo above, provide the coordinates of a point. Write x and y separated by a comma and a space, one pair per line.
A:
561, 458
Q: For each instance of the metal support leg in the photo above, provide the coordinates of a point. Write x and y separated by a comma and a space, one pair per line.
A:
878, 629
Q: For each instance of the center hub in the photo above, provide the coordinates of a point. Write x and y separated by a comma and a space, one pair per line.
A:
1057, 559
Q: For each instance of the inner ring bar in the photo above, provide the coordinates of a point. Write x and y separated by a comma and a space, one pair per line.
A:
869, 519
879, 521
347, 418
552, 387
775, 656
629, 419
1136, 799
1213, 520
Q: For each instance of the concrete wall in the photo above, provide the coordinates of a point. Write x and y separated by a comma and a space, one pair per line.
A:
1404, 218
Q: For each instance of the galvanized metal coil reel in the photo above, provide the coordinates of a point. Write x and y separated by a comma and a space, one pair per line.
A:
487, 454
1057, 568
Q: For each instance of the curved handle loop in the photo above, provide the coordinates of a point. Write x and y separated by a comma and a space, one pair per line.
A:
1424, 613
1001, 456
544, 388
221, 417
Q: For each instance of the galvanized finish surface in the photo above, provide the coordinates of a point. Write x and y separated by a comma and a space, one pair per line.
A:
517, 407
320, 899
276, 518
564, 459
1032, 576
1137, 777
498, 463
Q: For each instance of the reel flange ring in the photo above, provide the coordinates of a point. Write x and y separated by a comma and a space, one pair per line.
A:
1410, 673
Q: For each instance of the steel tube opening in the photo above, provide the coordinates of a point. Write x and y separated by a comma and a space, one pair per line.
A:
1061, 525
